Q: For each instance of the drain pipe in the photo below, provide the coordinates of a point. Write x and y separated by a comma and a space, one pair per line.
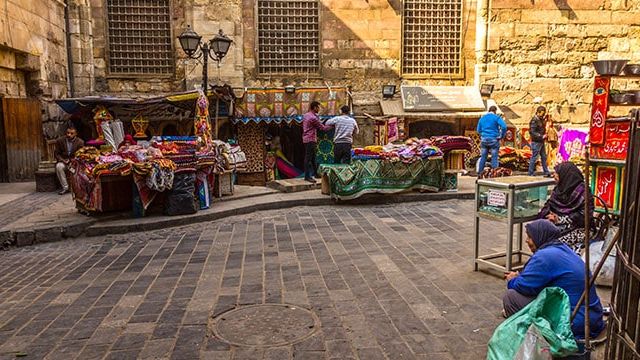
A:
71, 90
482, 38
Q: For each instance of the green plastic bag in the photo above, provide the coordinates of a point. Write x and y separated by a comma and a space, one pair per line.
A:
550, 312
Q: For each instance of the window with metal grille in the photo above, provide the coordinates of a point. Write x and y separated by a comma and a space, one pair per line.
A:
139, 33
432, 38
288, 37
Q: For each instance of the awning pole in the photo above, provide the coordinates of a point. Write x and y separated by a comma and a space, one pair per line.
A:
587, 272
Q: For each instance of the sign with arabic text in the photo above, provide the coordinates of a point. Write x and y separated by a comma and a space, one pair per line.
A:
441, 98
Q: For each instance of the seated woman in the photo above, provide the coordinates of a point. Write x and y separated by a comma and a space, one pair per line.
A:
565, 207
552, 264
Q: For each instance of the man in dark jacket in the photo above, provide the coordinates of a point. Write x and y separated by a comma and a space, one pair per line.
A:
66, 147
538, 136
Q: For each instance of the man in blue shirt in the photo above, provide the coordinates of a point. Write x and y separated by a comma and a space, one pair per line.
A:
491, 128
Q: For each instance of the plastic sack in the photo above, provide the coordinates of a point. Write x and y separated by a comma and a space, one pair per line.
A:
181, 199
534, 346
596, 251
550, 312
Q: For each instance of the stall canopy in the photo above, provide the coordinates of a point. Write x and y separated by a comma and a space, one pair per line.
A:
437, 103
279, 106
170, 107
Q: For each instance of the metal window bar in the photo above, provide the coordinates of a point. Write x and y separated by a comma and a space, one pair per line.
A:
288, 37
624, 329
432, 37
139, 37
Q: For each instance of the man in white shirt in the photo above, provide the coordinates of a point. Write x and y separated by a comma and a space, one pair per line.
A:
345, 128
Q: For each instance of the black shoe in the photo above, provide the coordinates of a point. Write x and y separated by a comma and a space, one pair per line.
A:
311, 180
317, 176
548, 175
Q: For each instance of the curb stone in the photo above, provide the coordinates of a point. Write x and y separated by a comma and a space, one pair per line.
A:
93, 227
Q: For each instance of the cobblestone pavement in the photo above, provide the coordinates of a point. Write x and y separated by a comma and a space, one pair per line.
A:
388, 282
25, 205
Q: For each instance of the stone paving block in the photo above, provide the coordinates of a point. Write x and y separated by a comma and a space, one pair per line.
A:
24, 237
383, 282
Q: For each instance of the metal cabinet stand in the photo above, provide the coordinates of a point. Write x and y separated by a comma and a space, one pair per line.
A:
509, 189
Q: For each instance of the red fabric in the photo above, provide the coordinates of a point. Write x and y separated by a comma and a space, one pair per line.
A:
599, 109
128, 138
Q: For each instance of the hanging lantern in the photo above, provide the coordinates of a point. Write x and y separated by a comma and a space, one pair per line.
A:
140, 126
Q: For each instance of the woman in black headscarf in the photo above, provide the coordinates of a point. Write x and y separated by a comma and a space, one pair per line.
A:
565, 207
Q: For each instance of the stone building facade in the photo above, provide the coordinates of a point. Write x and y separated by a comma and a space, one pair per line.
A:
544, 48
33, 55
526, 48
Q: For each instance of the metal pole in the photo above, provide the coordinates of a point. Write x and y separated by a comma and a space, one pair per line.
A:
587, 228
205, 67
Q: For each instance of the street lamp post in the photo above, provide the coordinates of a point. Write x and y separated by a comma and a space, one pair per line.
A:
216, 49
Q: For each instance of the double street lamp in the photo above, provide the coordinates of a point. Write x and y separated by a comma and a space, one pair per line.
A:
216, 49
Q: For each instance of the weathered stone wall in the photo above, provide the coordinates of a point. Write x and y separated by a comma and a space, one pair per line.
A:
544, 48
33, 52
205, 16
361, 46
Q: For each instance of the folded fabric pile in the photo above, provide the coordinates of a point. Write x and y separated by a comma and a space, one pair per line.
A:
159, 173
179, 149
495, 173
448, 143
412, 150
514, 159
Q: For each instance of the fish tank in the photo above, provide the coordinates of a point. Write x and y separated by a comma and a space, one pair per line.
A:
513, 198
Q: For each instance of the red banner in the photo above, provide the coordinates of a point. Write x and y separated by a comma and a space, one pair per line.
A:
616, 142
599, 109
606, 180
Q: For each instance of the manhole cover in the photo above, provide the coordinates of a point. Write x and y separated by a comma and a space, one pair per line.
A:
265, 325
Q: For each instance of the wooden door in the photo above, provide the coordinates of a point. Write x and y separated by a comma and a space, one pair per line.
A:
20, 138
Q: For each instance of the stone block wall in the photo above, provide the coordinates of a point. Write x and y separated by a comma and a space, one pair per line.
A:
361, 47
33, 60
544, 48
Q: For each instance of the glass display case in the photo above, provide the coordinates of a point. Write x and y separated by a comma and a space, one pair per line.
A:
513, 200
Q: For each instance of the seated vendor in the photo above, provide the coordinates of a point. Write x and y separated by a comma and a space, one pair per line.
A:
565, 207
66, 146
553, 264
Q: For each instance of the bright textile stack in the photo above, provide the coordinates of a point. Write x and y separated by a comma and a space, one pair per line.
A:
514, 159
448, 143
412, 150
179, 149
152, 173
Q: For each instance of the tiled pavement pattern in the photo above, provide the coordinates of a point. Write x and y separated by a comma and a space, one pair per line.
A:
25, 205
388, 282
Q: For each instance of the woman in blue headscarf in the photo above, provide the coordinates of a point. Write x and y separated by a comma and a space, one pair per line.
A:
553, 264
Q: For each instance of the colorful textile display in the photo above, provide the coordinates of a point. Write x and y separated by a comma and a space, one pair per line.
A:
495, 173
277, 106
572, 143
383, 176
448, 143
412, 150
201, 124
324, 154
514, 159
151, 173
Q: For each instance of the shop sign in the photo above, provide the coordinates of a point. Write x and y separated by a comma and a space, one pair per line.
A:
441, 98
497, 198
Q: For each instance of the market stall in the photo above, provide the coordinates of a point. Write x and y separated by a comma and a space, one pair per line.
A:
187, 170
417, 164
268, 126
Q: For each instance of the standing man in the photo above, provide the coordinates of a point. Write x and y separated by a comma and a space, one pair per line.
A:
66, 146
310, 126
492, 129
345, 128
538, 136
